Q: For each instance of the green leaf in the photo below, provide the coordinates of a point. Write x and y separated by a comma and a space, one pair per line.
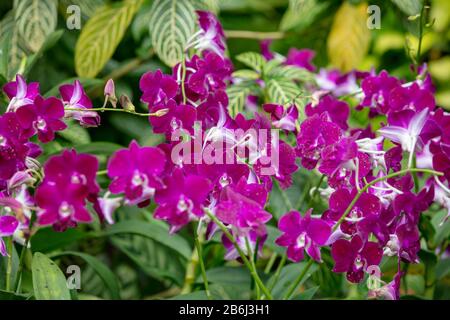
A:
101, 269
349, 38
4, 266
292, 73
75, 134
228, 275
49, 42
47, 240
6, 295
272, 234
410, 7
246, 74
287, 277
49, 282
152, 257
237, 96
154, 231
99, 148
101, 35
253, 60
442, 268
301, 14
282, 91
87, 7
308, 294
35, 21
12, 49
172, 23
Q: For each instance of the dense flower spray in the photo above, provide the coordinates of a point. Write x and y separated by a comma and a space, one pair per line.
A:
375, 203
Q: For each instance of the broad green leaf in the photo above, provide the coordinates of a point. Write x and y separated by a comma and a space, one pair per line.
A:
272, 234
101, 269
410, 7
308, 294
288, 276
292, 73
49, 282
282, 91
49, 42
246, 74
228, 275
87, 7
4, 266
35, 20
155, 259
6, 295
349, 38
13, 51
172, 23
47, 240
99, 148
253, 60
237, 96
75, 134
301, 14
152, 231
101, 35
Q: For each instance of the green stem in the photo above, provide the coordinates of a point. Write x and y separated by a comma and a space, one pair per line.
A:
183, 78
419, 47
252, 261
114, 110
102, 172
244, 34
373, 182
269, 264
20, 268
298, 280
198, 246
9, 246
241, 253
278, 271
316, 191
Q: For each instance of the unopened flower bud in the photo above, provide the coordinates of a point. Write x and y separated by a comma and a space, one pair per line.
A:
126, 103
161, 112
110, 92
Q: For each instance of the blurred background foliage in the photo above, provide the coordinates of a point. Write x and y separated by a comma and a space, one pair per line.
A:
39, 44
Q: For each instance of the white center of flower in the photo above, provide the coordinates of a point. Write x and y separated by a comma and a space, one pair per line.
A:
174, 124
358, 262
40, 124
301, 240
65, 210
137, 179
76, 178
224, 180
2, 141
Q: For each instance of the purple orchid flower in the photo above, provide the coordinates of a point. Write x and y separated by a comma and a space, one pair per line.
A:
244, 242
411, 97
282, 118
303, 233
74, 97
157, 88
20, 93
336, 83
136, 171
178, 117
211, 37
377, 90
43, 117
338, 111
355, 256
301, 58
8, 225
182, 199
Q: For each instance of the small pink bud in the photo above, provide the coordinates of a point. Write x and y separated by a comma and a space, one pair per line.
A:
126, 103
110, 92
161, 112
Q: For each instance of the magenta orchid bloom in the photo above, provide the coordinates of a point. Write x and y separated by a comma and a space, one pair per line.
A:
8, 225
303, 233
20, 93
43, 117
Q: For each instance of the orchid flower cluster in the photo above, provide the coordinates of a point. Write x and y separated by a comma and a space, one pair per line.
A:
375, 199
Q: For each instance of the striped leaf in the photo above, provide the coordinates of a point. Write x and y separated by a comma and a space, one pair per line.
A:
292, 73
49, 282
410, 7
237, 96
282, 91
35, 20
253, 60
12, 51
172, 23
301, 14
349, 38
101, 35
87, 7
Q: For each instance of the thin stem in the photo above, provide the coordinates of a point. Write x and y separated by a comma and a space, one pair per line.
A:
316, 190
252, 261
102, 172
269, 264
20, 268
114, 110
198, 246
241, 253
244, 34
183, 78
9, 264
278, 272
298, 280
419, 47
373, 182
